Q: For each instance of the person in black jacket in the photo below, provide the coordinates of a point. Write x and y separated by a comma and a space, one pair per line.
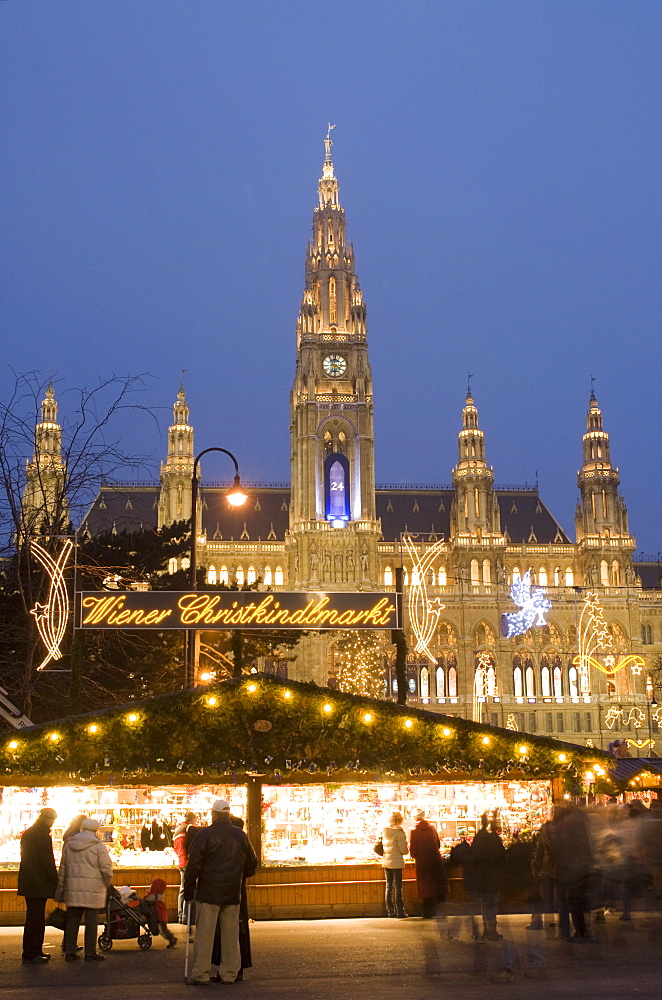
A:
37, 881
220, 858
487, 861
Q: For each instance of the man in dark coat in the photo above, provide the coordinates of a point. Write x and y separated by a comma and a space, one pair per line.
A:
431, 877
220, 858
37, 881
487, 861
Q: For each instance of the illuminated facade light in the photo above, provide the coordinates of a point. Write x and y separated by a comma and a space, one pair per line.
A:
51, 618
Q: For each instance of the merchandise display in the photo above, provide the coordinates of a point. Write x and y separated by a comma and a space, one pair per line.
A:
339, 823
136, 823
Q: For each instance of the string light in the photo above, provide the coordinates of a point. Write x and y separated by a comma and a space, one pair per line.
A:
93, 729
212, 701
251, 688
486, 741
408, 723
13, 745
589, 776
51, 618
423, 611
287, 694
54, 737
367, 717
358, 660
132, 718
563, 758
327, 708
523, 750
447, 732
533, 606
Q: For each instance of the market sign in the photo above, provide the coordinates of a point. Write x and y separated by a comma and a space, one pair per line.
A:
213, 609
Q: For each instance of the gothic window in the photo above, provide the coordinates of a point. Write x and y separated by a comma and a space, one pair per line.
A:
211, 574
180, 498
573, 681
336, 481
442, 576
646, 634
342, 442
388, 577
545, 678
569, 577
518, 686
475, 573
604, 503
542, 576
484, 635
279, 578
447, 634
267, 577
172, 566
239, 576
604, 573
557, 674
440, 679
425, 682
333, 306
487, 571
516, 574
415, 577
619, 638
592, 498
329, 235
432, 578
405, 576
328, 442
529, 678
571, 636
557, 576
223, 575
251, 575
616, 573
611, 689
477, 502
452, 677
650, 687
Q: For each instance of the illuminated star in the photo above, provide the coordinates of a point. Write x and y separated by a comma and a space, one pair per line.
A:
40, 611
636, 668
435, 605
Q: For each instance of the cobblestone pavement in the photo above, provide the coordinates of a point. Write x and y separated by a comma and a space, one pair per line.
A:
364, 959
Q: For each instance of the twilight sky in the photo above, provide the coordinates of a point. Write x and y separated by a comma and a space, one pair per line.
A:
499, 164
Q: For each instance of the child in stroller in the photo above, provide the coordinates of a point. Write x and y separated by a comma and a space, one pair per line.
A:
124, 919
154, 908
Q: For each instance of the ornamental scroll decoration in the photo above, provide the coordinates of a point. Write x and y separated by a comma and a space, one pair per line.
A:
51, 618
595, 640
423, 611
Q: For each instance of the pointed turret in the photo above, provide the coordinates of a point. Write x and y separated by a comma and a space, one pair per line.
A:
44, 503
475, 508
177, 470
332, 434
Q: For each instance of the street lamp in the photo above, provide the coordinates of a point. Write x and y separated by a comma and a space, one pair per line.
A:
236, 497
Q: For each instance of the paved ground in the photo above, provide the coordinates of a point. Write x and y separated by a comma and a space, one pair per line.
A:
361, 959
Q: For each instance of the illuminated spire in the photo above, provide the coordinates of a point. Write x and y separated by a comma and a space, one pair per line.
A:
44, 503
475, 507
177, 470
602, 511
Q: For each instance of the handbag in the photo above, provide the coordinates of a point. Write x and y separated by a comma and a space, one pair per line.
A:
379, 848
57, 918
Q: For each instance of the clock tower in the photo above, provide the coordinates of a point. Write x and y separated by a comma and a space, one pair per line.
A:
333, 529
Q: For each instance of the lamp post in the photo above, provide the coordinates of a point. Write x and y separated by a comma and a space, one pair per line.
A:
650, 703
236, 497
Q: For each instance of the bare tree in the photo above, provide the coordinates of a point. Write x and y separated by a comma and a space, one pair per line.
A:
50, 472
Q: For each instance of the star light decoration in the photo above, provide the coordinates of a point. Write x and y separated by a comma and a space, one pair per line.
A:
51, 618
424, 611
533, 606
595, 637
635, 717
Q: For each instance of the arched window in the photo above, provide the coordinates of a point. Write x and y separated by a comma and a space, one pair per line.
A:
279, 578
267, 578
333, 305
569, 577
452, 677
432, 578
616, 573
425, 682
518, 685
604, 503
529, 678
604, 573
557, 676
336, 482
491, 681
223, 575
545, 678
573, 681
477, 502
388, 577
251, 575
650, 687
405, 577
440, 678
211, 574
475, 572
557, 576
487, 571
239, 576
342, 442
542, 576
415, 577
442, 576
516, 574
172, 566
328, 442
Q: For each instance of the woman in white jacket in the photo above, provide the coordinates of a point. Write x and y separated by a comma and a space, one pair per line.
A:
85, 873
394, 840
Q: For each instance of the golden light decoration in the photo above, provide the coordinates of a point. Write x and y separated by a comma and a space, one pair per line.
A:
212, 701
447, 732
589, 776
640, 744
523, 750
51, 618
93, 729
563, 758
327, 708
367, 717
53, 737
287, 694
486, 741
511, 723
251, 688
408, 723
132, 718
13, 745
594, 636
635, 717
423, 611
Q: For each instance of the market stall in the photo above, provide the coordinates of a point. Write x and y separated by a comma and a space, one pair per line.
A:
314, 774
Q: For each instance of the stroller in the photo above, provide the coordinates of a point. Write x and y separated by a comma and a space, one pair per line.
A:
124, 919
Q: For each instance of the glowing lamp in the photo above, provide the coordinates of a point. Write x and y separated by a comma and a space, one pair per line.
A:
13, 745
206, 676
367, 717
408, 723
54, 737
287, 694
327, 707
589, 776
212, 701
447, 732
252, 688
93, 729
133, 717
236, 496
523, 750
486, 741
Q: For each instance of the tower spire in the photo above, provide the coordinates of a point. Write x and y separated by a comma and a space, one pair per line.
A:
44, 503
475, 508
176, 471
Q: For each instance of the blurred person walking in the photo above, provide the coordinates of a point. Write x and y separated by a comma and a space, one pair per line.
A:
488, 857
85, 873
37, 882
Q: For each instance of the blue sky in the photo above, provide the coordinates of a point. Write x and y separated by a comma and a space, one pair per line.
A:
499, 163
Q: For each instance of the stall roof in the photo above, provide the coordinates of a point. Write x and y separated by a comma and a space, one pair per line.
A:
259, 727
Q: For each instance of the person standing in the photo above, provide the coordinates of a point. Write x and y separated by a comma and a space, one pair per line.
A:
487, 862
431, 877
221, 856
85, 873
181, 842
394, 841
37, 882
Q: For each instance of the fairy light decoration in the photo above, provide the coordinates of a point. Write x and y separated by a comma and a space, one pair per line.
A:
595, 639
51, 618
423, 611
533, 607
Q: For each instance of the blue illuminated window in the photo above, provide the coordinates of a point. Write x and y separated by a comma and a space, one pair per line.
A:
336, 487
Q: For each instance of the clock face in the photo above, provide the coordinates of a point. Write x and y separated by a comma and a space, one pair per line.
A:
335, 365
